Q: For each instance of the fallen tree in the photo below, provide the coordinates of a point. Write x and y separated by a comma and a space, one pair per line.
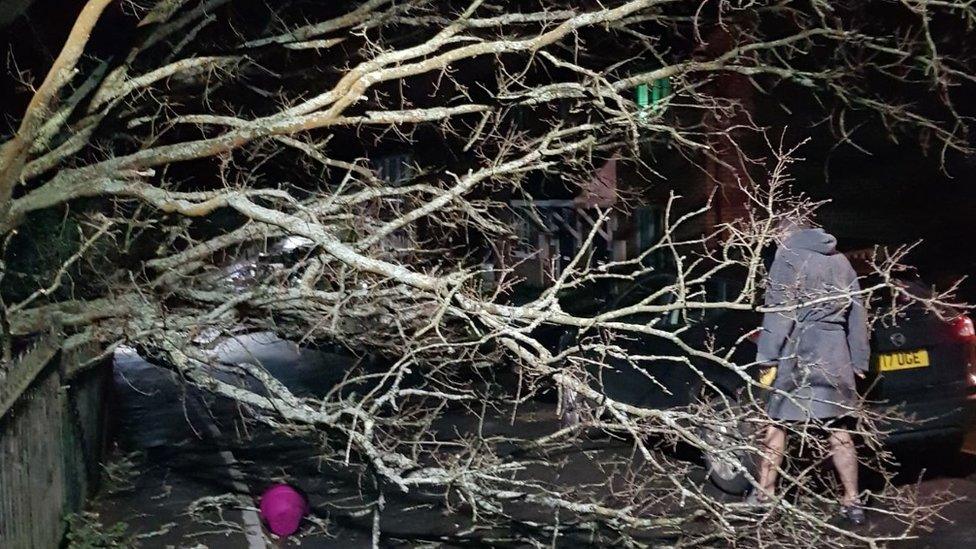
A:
229, 127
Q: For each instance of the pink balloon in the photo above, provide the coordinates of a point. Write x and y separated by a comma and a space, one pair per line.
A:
282, 509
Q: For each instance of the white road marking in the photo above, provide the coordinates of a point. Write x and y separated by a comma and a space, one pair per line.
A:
252, 522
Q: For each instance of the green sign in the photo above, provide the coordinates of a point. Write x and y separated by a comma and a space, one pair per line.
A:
647, 95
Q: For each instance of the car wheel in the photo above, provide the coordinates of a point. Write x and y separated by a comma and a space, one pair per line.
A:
723, 461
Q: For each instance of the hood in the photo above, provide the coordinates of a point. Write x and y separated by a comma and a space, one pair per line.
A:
815, 240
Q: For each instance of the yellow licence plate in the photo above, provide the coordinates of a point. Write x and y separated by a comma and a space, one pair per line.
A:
888, 362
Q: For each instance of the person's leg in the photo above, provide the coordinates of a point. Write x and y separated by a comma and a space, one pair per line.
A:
774, 445
844, 455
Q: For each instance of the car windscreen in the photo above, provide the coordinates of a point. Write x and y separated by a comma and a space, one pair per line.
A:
665, 292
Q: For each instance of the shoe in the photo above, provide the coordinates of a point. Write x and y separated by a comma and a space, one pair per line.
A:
853, 513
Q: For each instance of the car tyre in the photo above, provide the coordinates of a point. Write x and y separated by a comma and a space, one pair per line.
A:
724, 468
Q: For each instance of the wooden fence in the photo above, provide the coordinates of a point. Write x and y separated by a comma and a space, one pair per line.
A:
52, 434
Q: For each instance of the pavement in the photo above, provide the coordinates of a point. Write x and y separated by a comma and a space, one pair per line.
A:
197, 465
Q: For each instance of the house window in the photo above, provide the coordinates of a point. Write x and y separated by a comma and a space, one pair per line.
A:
649, 232
527, 234
395, 169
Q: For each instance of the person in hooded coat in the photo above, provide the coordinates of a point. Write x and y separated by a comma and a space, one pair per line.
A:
816, 334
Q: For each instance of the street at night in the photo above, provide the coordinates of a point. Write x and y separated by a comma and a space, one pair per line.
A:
179, 460
487, 273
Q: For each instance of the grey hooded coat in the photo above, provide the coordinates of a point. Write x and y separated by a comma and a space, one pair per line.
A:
818, 334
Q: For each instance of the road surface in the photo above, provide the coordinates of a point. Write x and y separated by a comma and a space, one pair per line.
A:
195, 446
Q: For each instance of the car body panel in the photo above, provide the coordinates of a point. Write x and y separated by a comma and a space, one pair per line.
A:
939, 398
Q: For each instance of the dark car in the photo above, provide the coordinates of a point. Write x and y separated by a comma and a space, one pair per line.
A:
922, 367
